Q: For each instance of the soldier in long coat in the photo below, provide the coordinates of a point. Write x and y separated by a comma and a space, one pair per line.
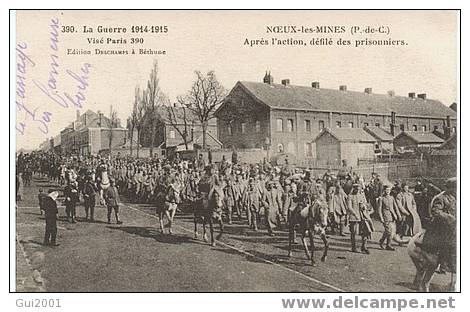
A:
388, 215
441, 234
337, 207
251, 201
272, 202
410, 221
359, 218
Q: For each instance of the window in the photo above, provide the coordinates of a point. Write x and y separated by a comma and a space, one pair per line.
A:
291, 147
280, 148
366, 124
290, 125
351, 124
308, 126
308, 149
243, 127
279, 125
454, 129
415, 128
377, 124
257, 126
423, 128
402, 127
229, 129
172, 135
338, 124
321, 125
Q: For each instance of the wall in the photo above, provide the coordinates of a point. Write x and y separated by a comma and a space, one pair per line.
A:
328, 149
240, 107
249, 156
350, 152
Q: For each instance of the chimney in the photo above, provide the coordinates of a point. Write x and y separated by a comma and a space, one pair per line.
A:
343, 88
368, 90
285, 82
391, 93
411, 95
316, 85
393, 121
447, 127
78, 114
268, 78
422, 96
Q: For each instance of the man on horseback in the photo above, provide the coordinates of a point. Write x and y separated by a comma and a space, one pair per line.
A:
440, 235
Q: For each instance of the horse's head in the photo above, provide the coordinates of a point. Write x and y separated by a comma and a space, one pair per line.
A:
320, 211
217, 199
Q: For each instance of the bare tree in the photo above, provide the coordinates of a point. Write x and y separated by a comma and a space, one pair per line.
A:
204, 97
155, 97
140, 105
177, 117
113, 124
134, 119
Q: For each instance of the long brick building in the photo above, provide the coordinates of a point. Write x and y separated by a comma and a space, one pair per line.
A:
284, 118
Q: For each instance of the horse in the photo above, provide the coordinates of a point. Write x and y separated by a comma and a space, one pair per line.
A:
208, 209
167, 202
426, 263
311, 219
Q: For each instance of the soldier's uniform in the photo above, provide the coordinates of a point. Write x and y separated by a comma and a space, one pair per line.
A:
440, 236
71, 200
251, 201
111, 197
387, 210
359, 219
89, 198
50, 213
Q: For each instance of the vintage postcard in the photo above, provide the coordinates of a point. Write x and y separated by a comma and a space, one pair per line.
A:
236, 151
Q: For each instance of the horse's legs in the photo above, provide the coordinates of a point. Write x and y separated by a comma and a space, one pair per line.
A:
168, 215
325, 251
160, 217
204, 234
221, 227
195, 226
211, 228
291, 239
304, 243
428, 274
419, 274
312, 246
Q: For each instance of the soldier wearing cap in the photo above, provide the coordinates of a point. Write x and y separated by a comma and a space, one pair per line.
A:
111, 198
388, 215
71, 199
251, 200
272, 202
359, 218
50, 213
89, 198
440, 235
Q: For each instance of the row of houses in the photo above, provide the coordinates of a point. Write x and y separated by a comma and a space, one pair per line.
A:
313, 124
89, 134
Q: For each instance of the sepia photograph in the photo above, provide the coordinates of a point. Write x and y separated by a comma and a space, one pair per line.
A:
229, 151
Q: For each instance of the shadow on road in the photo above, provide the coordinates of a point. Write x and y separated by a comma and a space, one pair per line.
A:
149, 232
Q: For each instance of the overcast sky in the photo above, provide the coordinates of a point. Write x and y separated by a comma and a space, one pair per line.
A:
214, 41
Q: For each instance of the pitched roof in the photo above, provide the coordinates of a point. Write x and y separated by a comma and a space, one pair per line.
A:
379, 133
307, 98
421, 137
450, 143
348, 135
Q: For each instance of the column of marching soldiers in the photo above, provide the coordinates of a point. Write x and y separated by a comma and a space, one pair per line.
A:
248, 191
